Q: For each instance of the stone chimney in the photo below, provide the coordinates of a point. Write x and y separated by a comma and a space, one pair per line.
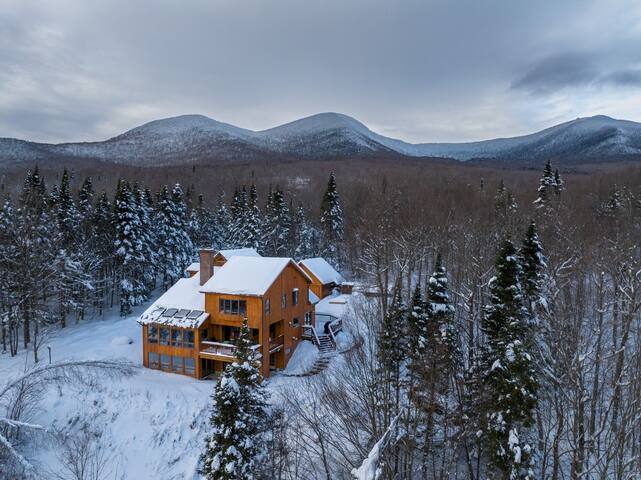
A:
206, 264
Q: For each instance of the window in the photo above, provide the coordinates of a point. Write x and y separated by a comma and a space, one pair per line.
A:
267, 306
176, 338
152, 334
283, 301
204, 334
189, 338
295, 322
164, 361
190, 366
308, 318
233, 307
164, 336
295, 296
153, 360
177, 364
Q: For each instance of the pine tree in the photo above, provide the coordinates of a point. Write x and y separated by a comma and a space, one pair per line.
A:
253, 221
392, 350
222, 224
67, 214
306, 238
547, 185
331, 221
508, 377
532, 263
130, 246
238, 232
559, 184
418, 334
175, 249
441, 320
201, 225
277, 225
235, 447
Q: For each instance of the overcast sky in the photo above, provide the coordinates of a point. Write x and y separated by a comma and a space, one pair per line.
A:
423, 70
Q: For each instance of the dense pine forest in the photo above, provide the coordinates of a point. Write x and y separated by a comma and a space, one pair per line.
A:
497, 332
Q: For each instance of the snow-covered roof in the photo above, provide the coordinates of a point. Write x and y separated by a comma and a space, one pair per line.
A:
239, 252
313, 298
248, 275
183, 305
322, 270
194, 267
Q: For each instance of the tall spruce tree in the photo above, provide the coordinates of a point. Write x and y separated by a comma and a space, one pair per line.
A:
532, 263
331, 221
222, 224
508, 377
235, 447
253, 221
305, 236
277, 225
547, 186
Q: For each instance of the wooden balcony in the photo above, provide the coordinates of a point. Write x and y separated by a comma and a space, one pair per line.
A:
223, 351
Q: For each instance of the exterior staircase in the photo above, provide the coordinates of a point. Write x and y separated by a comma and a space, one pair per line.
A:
326, 344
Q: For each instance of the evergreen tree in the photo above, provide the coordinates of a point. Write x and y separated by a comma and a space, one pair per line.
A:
306, 238
201, 225
277, 226
441, 319
222, 224
331, 221
559, 184
238, 234
235, 447
508, 377
130, 248
253, 221
418, 341
175, 249
392, 351
547, 185
532, 263
67, 215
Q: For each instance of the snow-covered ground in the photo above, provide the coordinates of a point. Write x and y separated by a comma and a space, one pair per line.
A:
152, 423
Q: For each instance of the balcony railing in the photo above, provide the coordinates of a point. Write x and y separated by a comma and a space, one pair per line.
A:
276, 344
221, 349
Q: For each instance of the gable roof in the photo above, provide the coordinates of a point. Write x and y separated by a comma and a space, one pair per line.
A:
238, 252
322, 270
185, 298
248, 275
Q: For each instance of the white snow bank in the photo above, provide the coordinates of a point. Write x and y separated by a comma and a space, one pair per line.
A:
303, 359
123, 340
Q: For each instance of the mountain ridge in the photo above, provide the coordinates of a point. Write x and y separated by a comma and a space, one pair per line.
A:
192, 138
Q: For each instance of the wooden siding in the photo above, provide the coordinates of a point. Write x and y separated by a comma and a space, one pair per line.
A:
171, 351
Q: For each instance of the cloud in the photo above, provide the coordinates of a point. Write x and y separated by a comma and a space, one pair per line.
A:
424, 70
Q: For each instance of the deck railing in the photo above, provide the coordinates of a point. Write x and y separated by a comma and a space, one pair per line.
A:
276, 343
223, 349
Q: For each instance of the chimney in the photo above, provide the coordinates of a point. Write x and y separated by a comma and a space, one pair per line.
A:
206, 264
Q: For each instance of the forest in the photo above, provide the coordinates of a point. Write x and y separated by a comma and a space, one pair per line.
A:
498, 332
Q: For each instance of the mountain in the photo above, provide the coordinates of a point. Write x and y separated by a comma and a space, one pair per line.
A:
195, 138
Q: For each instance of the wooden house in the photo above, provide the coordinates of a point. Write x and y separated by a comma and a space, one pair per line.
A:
325, 278
192, 328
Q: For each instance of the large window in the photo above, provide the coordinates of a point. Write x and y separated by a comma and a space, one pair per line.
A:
152, 334
233, 307
164, 336
177, 364
190, 366
295, 296
176, 337
153, 360
189, 338
164, 361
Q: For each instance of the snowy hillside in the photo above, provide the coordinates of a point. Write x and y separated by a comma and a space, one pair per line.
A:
196, 138
152, 423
